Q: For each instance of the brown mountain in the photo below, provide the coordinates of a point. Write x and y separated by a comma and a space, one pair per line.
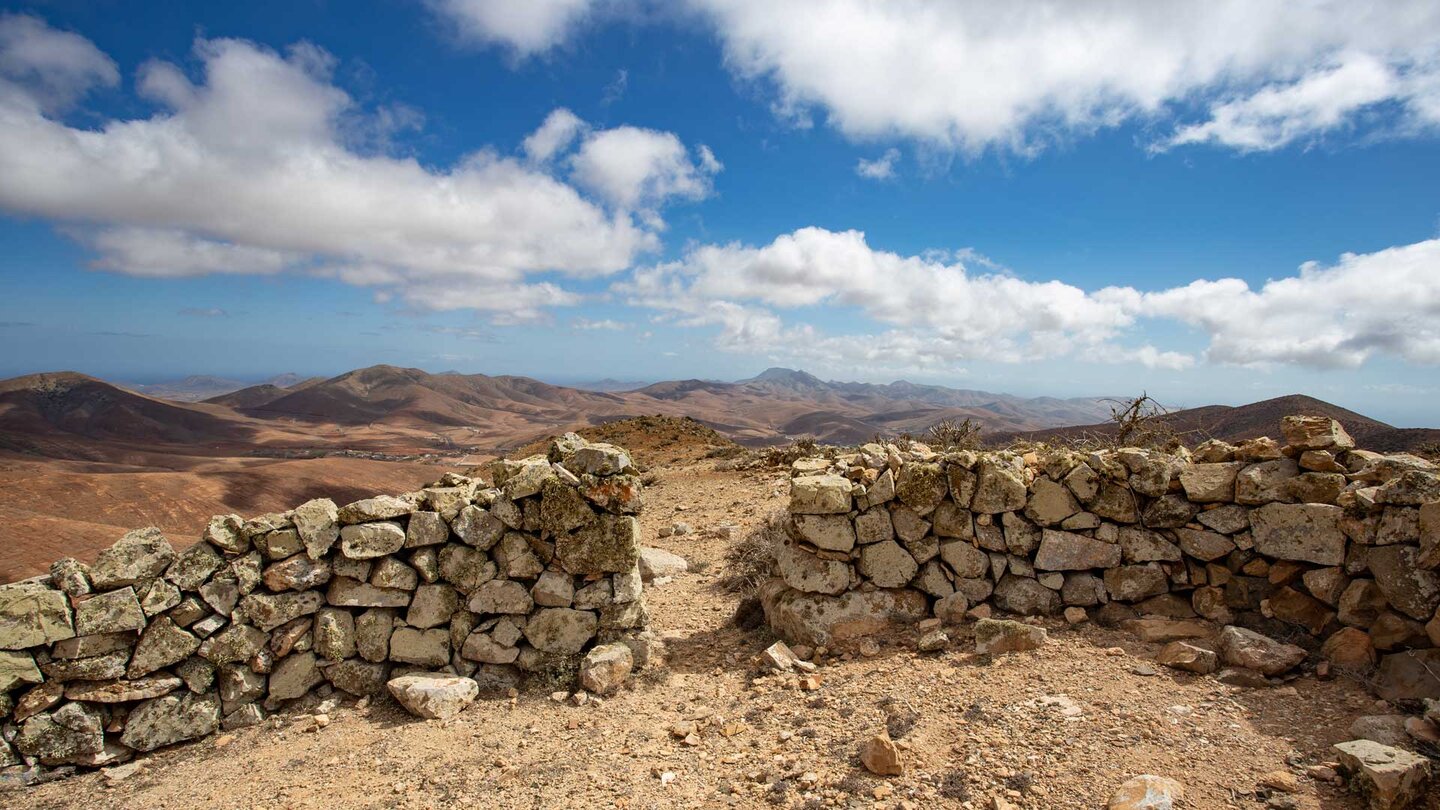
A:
1237, 422
39, 411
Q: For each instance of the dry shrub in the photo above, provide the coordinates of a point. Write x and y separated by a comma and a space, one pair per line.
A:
953, 434
785, 455
752, 561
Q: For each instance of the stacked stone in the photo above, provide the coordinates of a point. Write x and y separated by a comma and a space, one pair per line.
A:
1316, 534
148, 647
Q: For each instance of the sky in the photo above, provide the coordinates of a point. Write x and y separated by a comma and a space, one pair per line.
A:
1212, 202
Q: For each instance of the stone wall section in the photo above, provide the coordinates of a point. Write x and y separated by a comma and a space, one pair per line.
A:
151, 645
1314, 536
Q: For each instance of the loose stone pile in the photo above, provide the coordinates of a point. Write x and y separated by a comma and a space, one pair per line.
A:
442, 593
1263, 539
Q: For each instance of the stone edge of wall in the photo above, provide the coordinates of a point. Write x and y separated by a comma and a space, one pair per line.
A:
148, 647
1317, 535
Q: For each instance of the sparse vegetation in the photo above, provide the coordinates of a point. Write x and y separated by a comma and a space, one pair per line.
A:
752, 560
952, 434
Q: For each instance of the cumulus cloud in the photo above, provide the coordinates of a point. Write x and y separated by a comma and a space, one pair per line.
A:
559, 130
527, 27
254, 169
639, 169
56, 66
881, 168
1382, 303
935, 312
974, 74
939, 312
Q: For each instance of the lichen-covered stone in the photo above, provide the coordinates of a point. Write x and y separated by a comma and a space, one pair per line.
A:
32, 614
171, 719
139, 556
609, 545
1305, 532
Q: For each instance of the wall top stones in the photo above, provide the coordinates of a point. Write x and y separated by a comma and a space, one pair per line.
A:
466, 586
1314, 534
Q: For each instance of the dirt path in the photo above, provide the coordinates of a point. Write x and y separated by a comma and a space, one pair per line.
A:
1055, 728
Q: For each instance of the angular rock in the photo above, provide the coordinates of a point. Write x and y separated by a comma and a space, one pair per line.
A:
68, 734
999, 487
1306, 532
359, 678
605, 668
1066, 551
364, 541
657, 562
1410, 589
1001, 636
465, 568
1147, 792
887, 564
171, 719
1142, 545
1025, 597
269, 611
334, 634
560, 630
1189, 657
822, 620
808, 572
1389, 778
433, 696
1131, 583
1249, 649
346, 592
820, 495
193, 566
17, 668
382, 507
297, 573
139, 556
1350, 649
432, 606
31, 615
610, 545
112, 612
163, 644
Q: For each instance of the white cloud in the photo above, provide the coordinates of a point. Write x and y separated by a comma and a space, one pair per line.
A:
881, 168
57, 66
526, 26
1276, 116
252, 170
559, 130
975, 74
1382, 303
605, 325
639, 169
935, 312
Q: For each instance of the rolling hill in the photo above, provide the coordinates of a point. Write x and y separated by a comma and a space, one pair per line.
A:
1233, 423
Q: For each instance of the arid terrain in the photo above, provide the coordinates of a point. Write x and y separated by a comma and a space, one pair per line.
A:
82, 460
1059, 727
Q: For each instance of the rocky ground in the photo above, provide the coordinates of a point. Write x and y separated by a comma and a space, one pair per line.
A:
1058, 727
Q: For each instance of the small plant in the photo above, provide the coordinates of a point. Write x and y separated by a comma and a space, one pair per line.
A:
952, 434
956, 785
752, 560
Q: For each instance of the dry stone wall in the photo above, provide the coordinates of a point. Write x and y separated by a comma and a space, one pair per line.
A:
1314, 536
151, 645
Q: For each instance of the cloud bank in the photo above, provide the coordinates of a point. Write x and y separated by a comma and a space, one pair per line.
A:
253, 168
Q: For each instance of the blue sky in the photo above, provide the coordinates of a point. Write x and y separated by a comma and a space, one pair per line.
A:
1063, 201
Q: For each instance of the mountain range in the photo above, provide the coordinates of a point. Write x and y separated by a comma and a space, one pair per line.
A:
405, 410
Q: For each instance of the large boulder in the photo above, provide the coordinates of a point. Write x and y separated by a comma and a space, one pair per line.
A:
433, 696
823, 620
